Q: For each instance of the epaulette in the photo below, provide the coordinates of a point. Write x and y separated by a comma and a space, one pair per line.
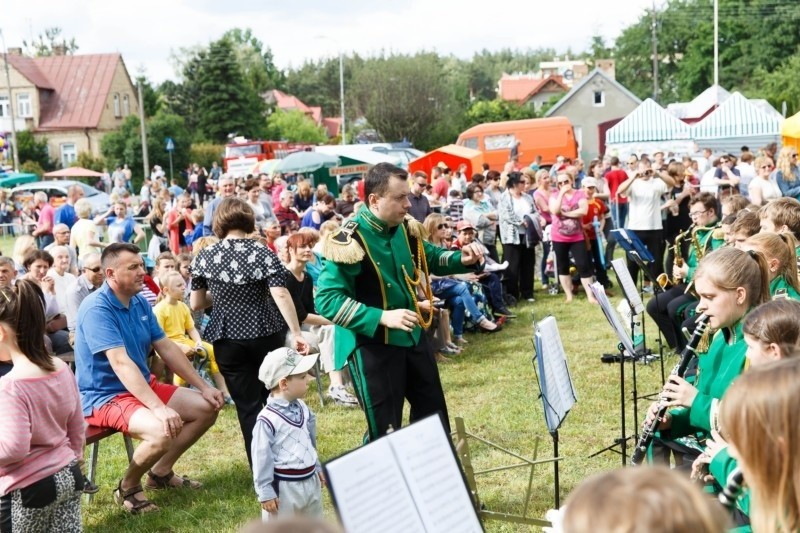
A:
341, 247
718, 234
415, 228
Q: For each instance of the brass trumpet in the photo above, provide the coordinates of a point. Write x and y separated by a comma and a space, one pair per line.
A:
664, 280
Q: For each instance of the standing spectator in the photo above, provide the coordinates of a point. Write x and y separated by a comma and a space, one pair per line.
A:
492, 190
568, 207
787, 175
62, 237
215, 172
43, 430
515, 205
202, 183
644, 190
116, 330
85, 237
455, 206
44, 225
252, 307
482, 217
128, 175
726, 177
514, 153
265, 192
145, 193
746, 173
174, 189
91, 278
179, 222
420, 207
541, 198
121, 226
459, 181
596, 211
158, 227
227, 188
441, 185
105, 179
253, 196
66, 213
677, 209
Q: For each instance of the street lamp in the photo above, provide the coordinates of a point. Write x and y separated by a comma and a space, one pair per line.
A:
341, 84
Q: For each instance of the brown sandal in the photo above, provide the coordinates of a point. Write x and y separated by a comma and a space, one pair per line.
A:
163, 482
134, 506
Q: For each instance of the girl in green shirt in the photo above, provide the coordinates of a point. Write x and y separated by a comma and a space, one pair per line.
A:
779, 250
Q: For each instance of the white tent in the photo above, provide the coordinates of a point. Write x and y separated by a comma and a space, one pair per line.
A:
703, 103
647, 129
737, 122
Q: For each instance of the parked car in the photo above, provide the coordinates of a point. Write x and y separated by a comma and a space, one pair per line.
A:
57, 193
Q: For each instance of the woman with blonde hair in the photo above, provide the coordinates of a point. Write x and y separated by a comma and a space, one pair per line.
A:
788, 174
779, 250
85, 237
760, 420
304, 197
23, 245
761, 188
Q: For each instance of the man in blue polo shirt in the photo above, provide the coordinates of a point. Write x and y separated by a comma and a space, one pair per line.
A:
115, 330
66, 213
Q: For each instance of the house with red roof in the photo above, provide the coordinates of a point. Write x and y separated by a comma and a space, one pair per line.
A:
287, 102
530, 89
71, 101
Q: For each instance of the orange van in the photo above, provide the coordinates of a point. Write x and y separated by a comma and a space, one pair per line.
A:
547, 137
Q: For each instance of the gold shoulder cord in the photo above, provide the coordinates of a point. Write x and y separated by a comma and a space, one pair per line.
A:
412, 283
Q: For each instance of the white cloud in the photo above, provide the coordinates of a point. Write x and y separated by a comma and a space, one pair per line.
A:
146, 31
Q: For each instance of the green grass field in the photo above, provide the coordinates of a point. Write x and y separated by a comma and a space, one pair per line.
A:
492, 386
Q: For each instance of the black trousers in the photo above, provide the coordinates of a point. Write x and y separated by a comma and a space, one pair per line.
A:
518, 277
653, 241
239, 361
663, 308
384, 376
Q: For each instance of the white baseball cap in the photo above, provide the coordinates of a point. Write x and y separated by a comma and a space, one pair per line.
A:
284, 362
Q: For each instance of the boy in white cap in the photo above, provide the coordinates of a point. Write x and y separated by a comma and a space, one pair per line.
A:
286, 471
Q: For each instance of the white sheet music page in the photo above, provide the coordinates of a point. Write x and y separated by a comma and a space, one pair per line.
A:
556, 383
628, 285
434, 478
612, 317
371, 494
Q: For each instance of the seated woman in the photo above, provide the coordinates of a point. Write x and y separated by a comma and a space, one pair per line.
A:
455, 292
779, 249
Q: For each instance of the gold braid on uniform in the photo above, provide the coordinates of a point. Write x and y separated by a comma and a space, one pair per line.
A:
341, 247
417, 230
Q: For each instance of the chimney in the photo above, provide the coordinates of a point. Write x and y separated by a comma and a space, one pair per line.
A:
59, 50
15, 51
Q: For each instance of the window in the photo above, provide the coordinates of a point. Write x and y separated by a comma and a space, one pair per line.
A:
470, 142
69, 153
126, 106
499, 142
116, 105
24, 108
599, 98
5, 111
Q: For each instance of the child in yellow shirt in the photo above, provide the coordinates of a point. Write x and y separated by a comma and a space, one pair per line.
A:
175, 319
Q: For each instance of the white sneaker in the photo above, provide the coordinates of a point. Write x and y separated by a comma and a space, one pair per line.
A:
496, 267
340, 396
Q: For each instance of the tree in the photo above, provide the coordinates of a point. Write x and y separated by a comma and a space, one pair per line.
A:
255, 60
482, 111
404, 97
226, 103
45, 45
781, 85
29, 149
294, 126
125, 144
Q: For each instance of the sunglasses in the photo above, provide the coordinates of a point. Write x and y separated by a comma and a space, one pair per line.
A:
443, 226
95, 269
562, 182
769, 167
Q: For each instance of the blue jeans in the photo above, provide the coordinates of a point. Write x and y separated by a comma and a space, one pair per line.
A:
460, 300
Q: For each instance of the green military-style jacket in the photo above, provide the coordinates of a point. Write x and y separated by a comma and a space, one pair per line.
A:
363, 275
786, 290
716, 370
708, 242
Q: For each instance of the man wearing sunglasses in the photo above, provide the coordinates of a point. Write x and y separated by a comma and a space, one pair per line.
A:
90, 279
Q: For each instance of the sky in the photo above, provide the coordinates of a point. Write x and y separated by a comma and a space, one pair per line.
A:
146, 32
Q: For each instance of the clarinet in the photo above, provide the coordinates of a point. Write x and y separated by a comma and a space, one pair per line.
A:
649, 430
732, 489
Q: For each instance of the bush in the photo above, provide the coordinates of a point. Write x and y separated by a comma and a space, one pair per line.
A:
87, 160
32, 167
206, 153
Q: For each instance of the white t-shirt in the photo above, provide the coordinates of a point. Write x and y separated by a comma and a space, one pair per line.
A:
522, 207
61, 284
644, 201
769, 190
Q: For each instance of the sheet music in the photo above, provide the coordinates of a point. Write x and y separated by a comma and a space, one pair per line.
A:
628, 286
434, 478
371, 494
558, 392
612, 317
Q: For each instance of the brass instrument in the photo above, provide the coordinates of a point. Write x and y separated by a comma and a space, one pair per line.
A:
664, 280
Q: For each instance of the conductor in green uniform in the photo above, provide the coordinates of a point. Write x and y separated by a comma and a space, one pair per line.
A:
376, 267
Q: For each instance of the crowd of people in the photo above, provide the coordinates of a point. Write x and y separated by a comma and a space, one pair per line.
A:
262, 280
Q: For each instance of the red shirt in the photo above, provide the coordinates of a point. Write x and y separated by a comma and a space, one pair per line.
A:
596, 209
614, 178
441, 187
46, 215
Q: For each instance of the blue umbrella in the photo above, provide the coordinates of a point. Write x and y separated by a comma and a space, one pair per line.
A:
305, 162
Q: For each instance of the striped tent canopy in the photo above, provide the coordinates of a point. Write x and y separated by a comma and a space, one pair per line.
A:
648, 122
737, 117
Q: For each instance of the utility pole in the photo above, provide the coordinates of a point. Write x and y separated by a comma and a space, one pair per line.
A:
655, 54
716, 43
145, 158
341, 94
14, 150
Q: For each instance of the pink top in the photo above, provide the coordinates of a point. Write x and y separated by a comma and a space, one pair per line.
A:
542, 199
568, 204
46, 214
42, 427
